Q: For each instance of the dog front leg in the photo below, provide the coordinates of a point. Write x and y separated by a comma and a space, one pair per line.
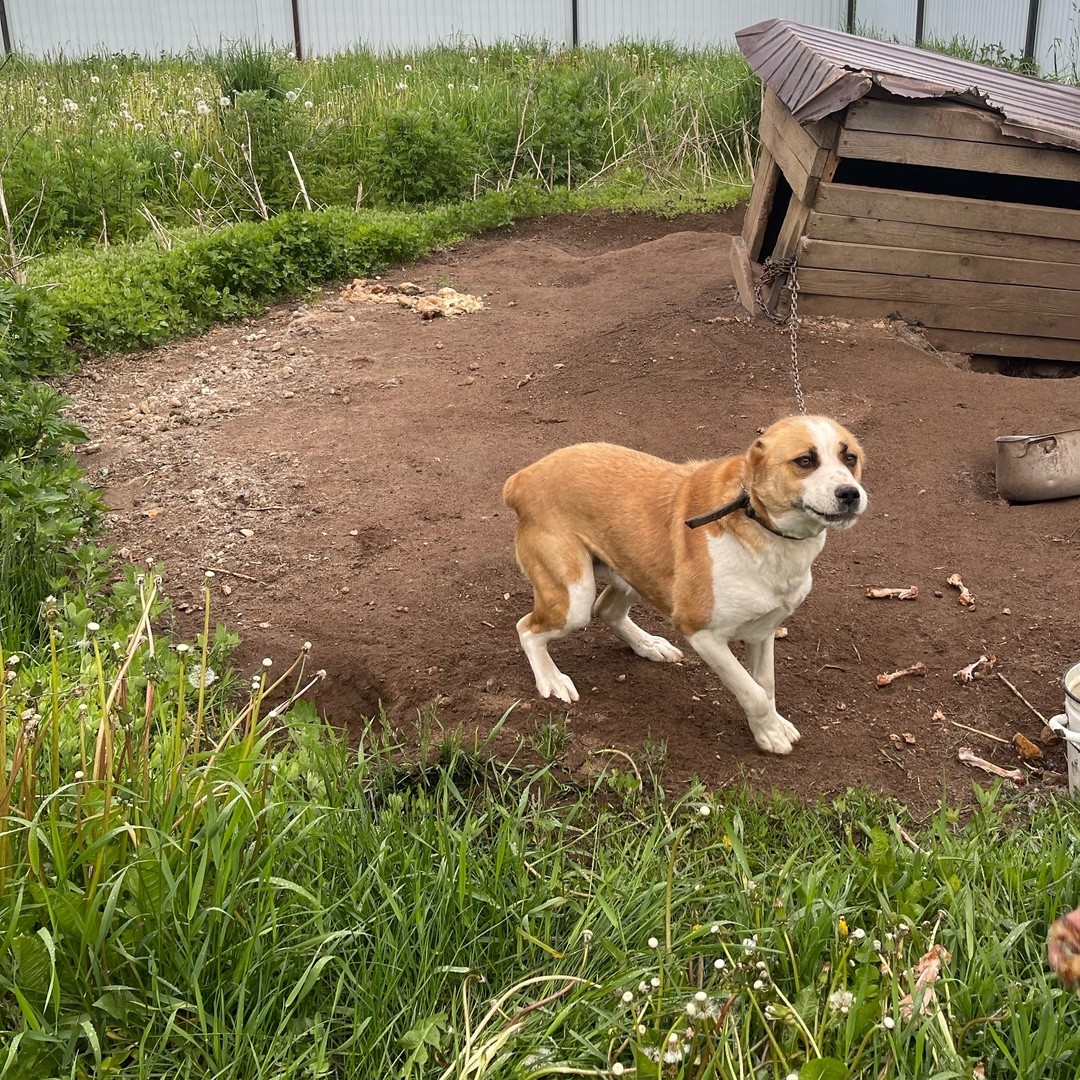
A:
770, 730
762, 665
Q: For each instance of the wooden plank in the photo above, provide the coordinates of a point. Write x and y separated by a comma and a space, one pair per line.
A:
958, 154
936, 120
958, 266
907, 235
756, 218
945, 316
812, 142
793, 168
970, 341
951, 210
898, 288
801, 157
744, 273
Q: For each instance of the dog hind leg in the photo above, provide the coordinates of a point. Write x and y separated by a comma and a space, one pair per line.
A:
612, 607
563, 592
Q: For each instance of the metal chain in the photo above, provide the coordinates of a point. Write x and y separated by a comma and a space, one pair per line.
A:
773, 270
793, 319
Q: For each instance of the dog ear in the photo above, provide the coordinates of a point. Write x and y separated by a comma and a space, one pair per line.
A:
754, 456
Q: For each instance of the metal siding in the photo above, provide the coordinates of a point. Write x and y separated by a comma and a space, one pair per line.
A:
329, 26
148, 27
892, 20
989, 22
693, 23
1057, 37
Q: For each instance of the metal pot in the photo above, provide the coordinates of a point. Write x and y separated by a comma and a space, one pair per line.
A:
1031, 468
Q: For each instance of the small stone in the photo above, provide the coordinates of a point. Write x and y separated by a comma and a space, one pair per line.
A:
247, 532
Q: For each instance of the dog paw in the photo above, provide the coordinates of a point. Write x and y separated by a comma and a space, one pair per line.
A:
557, 685
776, 735
656, 648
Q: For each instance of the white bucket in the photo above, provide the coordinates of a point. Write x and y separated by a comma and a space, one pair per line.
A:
1067, 725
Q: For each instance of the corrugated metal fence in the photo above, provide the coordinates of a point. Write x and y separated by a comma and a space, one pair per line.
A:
1048, 30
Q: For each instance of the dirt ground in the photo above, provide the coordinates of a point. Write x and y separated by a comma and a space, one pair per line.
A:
339, 465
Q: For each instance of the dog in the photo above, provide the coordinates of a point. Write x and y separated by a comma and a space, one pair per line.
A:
642, 526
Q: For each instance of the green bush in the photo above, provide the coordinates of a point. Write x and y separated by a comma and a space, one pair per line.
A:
419, 157
46, 507
32, 337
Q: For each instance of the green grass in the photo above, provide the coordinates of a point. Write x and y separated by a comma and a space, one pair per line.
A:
193, 888
109, 149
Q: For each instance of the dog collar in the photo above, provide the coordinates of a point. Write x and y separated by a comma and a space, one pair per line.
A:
740, 502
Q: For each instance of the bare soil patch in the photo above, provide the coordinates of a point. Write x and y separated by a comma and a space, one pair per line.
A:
341, 464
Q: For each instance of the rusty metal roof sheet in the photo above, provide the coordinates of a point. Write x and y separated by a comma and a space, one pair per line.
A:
816, 72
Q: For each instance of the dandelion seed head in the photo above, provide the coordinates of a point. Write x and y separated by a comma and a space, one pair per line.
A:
408, 68
69, 106
889, 1023
42, 99
617, 1069
719, 963
202, 108
472, 59
224, 102
586, 935
91, 628
183, 647
654, 982
859, 934
95, 79
209, 677
401, 86
704, 810
139, 127
309, 104
79, 775
759, 984
653, 943
841, 1001
627, 996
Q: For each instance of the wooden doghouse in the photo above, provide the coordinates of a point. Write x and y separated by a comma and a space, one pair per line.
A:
908, 183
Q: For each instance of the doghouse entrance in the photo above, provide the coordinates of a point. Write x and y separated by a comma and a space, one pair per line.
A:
777, 213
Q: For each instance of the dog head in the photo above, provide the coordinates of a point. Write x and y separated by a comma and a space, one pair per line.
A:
804, 472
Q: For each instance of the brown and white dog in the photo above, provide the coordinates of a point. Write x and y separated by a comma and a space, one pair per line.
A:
597, 512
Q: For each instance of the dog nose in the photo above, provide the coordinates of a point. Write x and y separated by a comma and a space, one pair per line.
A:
847, 495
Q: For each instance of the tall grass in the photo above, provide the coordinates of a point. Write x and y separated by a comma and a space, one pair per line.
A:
190, 888
105, 149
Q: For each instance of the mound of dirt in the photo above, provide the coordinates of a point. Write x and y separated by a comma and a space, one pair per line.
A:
339, 465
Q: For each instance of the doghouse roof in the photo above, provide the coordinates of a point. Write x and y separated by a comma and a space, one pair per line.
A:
817, 72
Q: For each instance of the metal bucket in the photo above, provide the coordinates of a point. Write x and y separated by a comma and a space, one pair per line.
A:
1067, 725
1031, 468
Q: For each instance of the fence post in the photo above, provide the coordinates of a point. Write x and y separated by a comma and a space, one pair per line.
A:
297, 43
4, 31
574, 33
850, 22
1032, 29
920, 19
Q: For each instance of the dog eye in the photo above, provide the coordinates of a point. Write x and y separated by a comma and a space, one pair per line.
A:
851, 460
806, 461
